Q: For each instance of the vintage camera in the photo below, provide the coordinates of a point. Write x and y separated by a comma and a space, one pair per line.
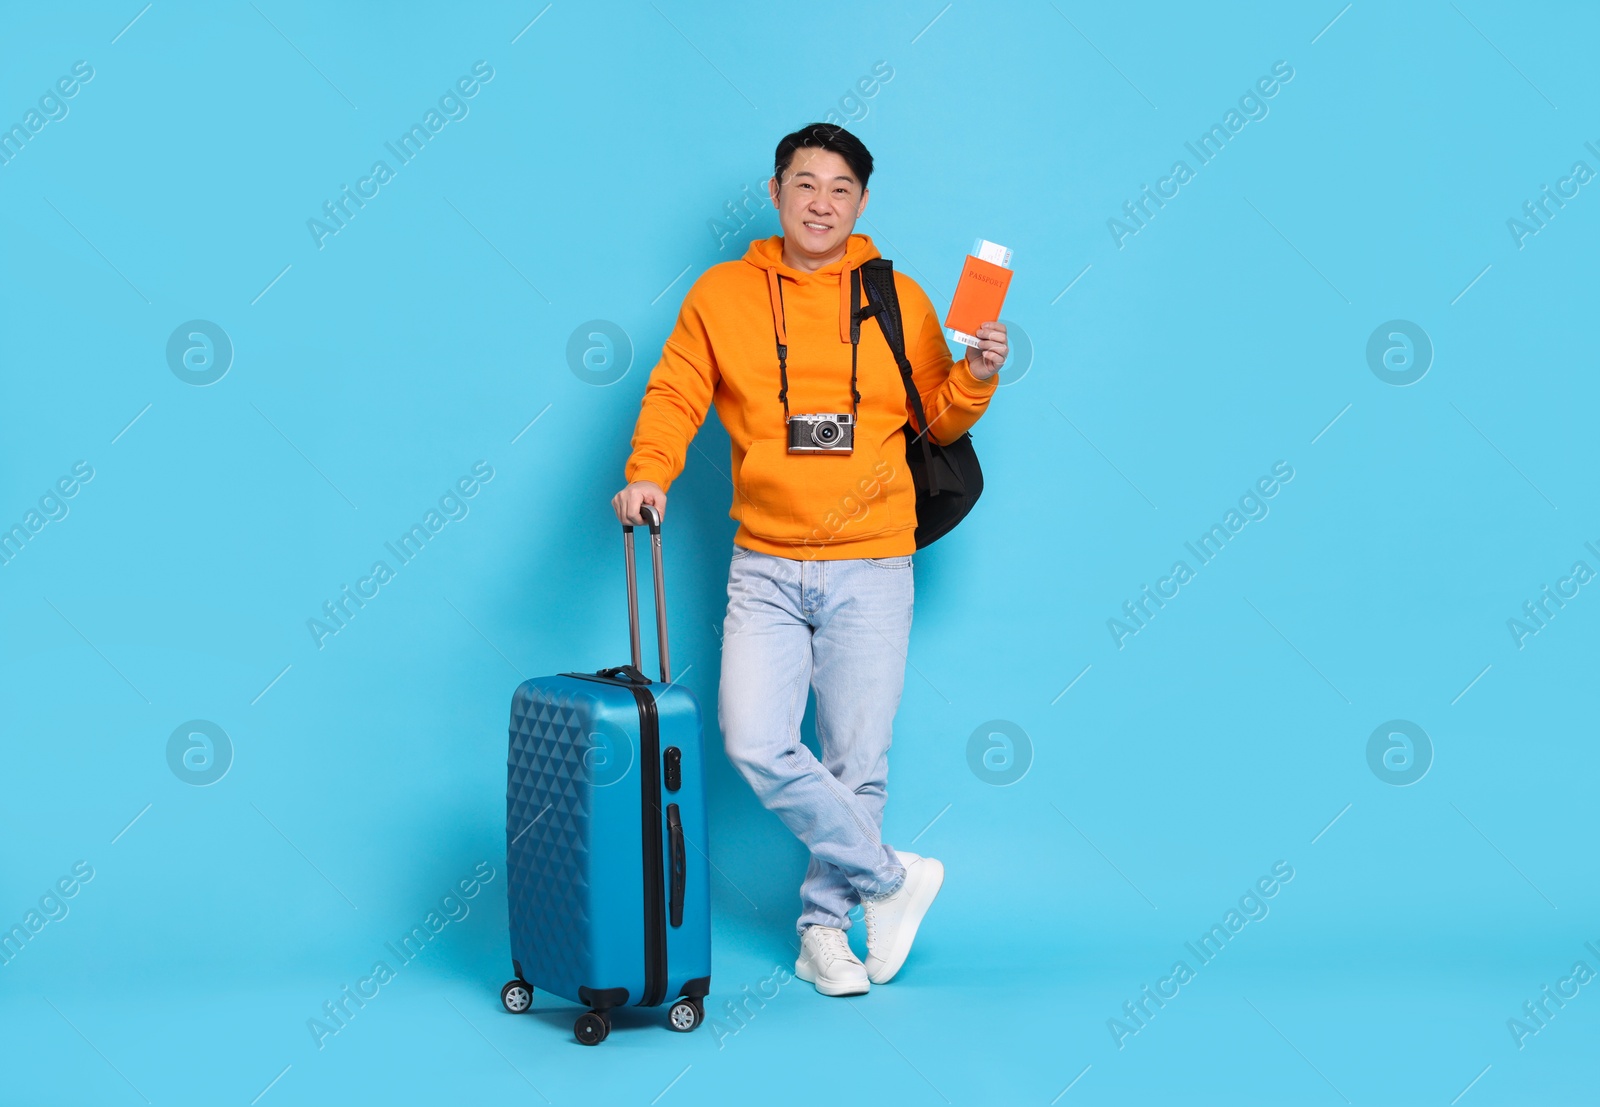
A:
829, 432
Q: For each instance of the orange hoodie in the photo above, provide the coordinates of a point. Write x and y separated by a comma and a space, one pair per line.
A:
806, 506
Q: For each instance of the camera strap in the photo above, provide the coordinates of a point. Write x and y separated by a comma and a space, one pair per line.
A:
780, 336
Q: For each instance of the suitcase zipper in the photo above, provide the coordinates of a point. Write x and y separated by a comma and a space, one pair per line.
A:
655, 947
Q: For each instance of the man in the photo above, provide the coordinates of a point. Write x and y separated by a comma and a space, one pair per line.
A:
820, 585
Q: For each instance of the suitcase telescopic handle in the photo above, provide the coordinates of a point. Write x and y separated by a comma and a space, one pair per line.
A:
653, 518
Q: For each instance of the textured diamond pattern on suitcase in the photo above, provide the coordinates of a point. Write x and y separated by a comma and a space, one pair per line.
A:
547, 819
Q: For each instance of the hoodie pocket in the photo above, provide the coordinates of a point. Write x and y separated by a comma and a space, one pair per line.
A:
821, 498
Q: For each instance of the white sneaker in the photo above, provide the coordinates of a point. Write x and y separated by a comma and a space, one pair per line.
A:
826, 961
892, 920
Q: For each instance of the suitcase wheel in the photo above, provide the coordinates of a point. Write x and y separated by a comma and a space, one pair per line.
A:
517, 996
592, 1027
686, 1014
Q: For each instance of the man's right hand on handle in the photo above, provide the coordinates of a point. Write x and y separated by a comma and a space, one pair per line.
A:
627, 502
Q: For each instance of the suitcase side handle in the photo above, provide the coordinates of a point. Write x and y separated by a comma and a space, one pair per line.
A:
653, 518
675, 842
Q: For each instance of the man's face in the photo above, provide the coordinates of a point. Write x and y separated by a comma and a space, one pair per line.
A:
818, 202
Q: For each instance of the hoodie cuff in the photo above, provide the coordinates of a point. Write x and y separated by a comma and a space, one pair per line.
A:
643, 470
962, 374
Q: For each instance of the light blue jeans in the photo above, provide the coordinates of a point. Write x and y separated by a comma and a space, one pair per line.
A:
842, 628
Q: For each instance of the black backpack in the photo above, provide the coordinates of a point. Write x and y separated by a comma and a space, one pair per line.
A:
947, 478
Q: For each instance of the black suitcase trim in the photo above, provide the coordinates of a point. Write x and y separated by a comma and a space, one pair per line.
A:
602, 999
655, 908
655, 912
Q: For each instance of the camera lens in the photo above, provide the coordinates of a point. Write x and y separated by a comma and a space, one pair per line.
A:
826, 433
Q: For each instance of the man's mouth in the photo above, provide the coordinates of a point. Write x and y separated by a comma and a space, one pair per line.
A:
817, 226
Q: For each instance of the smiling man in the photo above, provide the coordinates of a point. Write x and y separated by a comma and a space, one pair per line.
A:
820, 585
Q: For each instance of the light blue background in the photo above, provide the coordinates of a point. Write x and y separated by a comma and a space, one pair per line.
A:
1229, 734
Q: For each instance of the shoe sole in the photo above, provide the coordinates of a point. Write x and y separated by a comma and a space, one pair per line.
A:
921, 900
802, 970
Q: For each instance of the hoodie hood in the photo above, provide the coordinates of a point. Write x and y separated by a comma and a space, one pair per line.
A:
767, 254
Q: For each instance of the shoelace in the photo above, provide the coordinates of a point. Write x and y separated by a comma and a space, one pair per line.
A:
831, 946
869, 917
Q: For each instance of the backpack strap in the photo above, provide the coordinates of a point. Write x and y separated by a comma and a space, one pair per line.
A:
884, 302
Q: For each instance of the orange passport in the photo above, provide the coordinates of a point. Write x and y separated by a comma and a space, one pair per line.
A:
980, 293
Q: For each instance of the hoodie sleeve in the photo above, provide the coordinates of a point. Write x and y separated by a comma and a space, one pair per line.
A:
953, 398
676, 400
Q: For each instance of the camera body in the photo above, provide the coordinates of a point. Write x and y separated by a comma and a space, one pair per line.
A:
822, 432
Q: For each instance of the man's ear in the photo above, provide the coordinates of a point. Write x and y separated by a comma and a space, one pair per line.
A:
772, 189
865, 193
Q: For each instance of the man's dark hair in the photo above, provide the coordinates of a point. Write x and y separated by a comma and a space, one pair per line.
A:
825, 136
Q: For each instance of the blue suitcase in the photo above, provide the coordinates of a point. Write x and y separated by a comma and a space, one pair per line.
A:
607, 878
